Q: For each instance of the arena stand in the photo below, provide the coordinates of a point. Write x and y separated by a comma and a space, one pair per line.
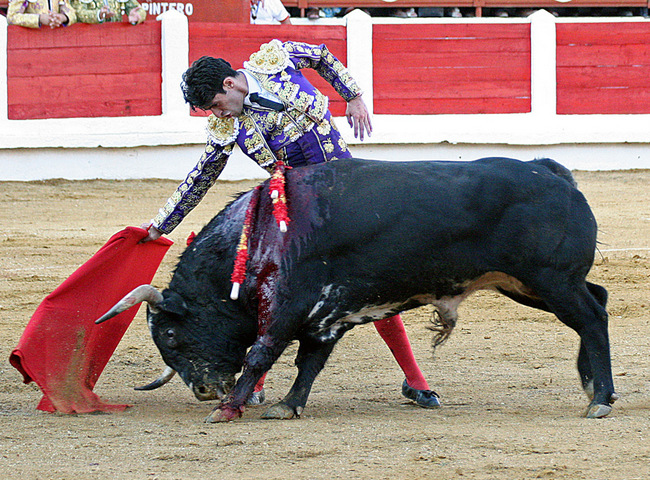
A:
477, 5
229, 11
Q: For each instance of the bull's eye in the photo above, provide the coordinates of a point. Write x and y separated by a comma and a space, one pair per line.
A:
170, 335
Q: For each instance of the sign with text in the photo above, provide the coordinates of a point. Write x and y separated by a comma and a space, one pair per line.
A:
231, 11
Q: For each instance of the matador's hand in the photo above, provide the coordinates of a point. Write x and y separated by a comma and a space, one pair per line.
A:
358, 117
154, 233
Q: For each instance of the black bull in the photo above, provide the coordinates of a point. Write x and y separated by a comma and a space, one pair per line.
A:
369, 239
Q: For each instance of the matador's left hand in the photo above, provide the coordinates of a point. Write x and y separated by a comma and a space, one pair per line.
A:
358, 117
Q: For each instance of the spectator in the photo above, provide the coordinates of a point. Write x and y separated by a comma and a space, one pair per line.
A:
269, 12
97, 11
403, 13
34, 14
330, 12
438, 12
314, 13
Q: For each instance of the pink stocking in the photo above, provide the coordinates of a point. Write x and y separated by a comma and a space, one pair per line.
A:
393, 333
260, 384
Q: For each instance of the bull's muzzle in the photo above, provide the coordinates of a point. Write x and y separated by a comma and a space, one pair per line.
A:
213, 390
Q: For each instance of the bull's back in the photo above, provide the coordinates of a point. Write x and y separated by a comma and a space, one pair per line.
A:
366, 197
484, 213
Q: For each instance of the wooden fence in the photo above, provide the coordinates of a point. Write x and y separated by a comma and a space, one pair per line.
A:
109, 70
603, 68
115, 70
451, 68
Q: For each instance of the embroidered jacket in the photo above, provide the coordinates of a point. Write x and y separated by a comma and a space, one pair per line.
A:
26, 12
304, 129
88, 10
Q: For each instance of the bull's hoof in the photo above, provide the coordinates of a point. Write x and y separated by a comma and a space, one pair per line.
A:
223, 414
423, 398
598, 411
281, 411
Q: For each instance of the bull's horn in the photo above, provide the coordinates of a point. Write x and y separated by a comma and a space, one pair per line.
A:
143, 293
165, 377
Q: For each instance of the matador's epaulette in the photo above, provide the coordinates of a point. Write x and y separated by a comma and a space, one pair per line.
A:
271, 58
222, 131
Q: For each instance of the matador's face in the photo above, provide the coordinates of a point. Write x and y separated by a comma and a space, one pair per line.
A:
230, 103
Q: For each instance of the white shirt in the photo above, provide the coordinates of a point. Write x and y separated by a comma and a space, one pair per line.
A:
255, 87
268, 12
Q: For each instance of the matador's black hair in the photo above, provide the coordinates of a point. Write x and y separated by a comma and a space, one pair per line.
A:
204, 79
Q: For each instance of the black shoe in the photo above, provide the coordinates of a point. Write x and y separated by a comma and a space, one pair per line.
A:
424, 398
257, 398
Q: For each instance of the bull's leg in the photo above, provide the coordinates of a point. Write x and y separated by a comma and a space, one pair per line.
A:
585, 371
310, 361
259, 360
578, 308
584, 365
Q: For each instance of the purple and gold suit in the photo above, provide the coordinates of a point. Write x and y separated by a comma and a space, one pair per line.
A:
301, 134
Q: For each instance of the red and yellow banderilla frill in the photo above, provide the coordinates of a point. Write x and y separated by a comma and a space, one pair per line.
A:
280, 212
279, 196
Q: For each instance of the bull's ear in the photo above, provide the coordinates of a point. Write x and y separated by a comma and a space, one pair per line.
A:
173, 303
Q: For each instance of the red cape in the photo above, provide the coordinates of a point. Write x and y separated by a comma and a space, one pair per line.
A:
62, 349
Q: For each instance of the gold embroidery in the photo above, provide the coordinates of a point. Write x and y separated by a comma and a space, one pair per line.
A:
267, 121
271, 58
328, 146
255, 144
288, 90
324, 128
265, 159
315, 105
222, 131
320, 106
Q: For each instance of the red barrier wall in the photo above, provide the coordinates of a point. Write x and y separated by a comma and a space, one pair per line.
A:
235, 43
603, 68
109, 70
115, 69
436, 69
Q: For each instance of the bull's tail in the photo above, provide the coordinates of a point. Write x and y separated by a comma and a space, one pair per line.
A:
559, 170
